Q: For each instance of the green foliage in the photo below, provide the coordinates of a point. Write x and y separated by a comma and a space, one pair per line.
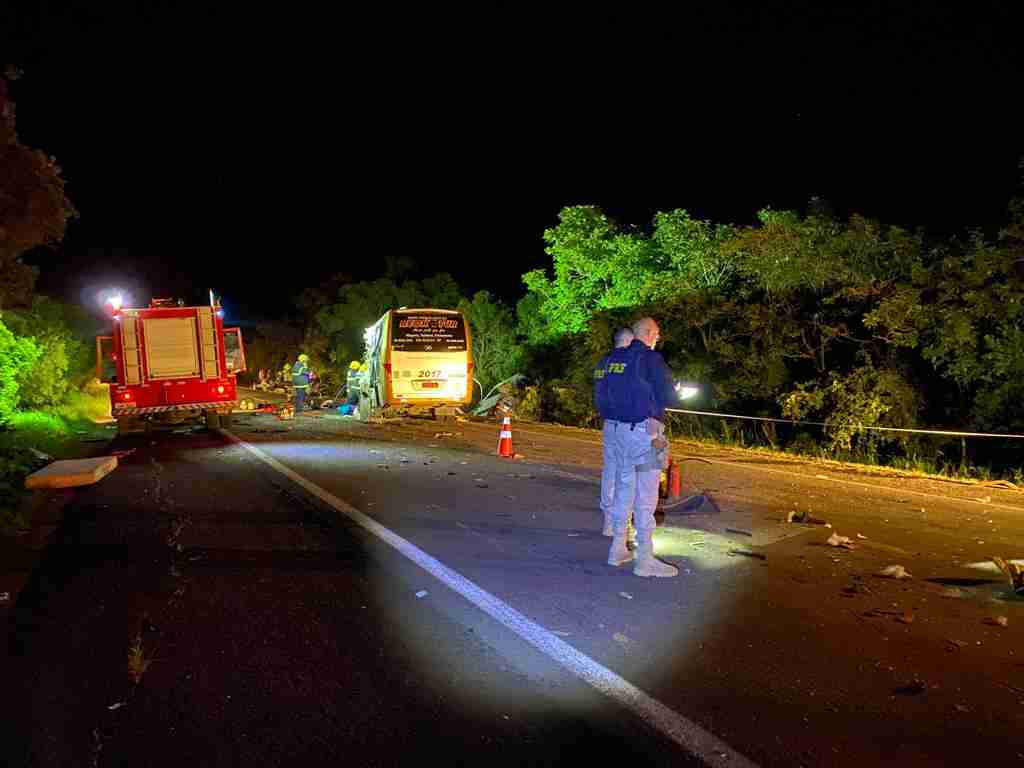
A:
33, 207
66, 359
497, 353
17, 355
359, 305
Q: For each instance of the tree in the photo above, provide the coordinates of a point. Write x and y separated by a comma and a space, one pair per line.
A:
34, 209
596, 266
17, 355
497, 353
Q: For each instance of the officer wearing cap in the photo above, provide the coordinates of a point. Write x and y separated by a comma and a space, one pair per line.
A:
300, 381
637, 388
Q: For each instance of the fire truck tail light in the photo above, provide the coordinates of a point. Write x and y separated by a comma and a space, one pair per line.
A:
127, 396
220, 390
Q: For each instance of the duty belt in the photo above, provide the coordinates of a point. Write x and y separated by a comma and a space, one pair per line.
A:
631, 424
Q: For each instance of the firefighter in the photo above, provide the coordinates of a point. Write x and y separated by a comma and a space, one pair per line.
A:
300, 381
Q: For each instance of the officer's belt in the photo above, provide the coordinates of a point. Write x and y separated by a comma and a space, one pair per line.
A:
616, 424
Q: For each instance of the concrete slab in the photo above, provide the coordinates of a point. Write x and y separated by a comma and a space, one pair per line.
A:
71, 473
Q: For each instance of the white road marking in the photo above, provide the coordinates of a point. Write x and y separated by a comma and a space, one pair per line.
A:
687, 734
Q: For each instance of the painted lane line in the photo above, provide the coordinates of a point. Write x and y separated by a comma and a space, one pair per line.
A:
669, 723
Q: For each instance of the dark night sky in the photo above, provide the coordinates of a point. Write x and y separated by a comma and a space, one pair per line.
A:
255, 151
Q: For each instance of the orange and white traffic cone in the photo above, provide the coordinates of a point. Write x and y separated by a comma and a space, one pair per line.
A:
505, 438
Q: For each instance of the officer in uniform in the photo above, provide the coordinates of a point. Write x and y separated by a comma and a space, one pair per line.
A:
609, 469
300, 381
638, 387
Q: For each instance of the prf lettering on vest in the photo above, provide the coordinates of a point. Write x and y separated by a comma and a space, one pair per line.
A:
616, 368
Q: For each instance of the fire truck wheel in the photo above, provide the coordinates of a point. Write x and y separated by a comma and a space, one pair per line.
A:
225, 420
212, 420
127, 425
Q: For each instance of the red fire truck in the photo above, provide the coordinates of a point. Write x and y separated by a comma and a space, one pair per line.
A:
170, 363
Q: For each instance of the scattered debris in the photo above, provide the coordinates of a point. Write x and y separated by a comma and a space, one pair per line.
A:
857, 589
443, 434
1013, 572
822, 477
861, 536
39, 455
621, 638
560, 633
626, 595
5, 597
956, 645
740, 532
422, 593
805, 517
122, 454
117, 705
895, 572
747, 553
962, 708
998, 621
517, 456
951, 592
907, 617
913, 688
462, 525
984, 500
572, 534
835, 540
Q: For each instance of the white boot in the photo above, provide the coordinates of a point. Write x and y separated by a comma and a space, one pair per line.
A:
646, 563
619, 554
607, 530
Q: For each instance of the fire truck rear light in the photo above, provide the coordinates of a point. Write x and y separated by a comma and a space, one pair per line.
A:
220, 390
127, 396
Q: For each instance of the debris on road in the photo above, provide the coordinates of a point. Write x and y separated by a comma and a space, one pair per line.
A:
39, 455
907, 617
117, 705
5, 597
621, 638
984, 499
72, 473
572, 534
122, 454
998, 621
956, 645
861, 536
895, 572
913, 688
835, 540
748, 553
560, 633
626, 595
422, 593
443, 434
740, 532
805, 517
951, 592
1013, 572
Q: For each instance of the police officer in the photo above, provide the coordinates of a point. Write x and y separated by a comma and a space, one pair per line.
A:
623, 338
300, 381
638, 387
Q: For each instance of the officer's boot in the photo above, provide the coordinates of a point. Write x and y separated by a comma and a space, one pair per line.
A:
646, 563
619, 553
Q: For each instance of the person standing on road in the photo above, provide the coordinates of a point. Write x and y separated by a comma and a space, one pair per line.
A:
609, 469
300, 381
638, 389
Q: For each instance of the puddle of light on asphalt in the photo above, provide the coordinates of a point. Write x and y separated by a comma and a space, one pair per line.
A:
423, 635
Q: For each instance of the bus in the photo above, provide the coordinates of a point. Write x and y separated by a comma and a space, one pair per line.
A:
418, 362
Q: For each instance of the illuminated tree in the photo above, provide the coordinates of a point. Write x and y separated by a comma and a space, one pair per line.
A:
34, 209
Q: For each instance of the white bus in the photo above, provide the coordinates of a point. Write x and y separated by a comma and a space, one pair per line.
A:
418, 361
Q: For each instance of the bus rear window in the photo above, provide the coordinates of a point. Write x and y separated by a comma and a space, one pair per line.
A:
428, 332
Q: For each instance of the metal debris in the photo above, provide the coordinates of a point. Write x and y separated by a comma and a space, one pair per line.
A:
895, 572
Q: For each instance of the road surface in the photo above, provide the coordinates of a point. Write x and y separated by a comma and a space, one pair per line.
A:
260, 571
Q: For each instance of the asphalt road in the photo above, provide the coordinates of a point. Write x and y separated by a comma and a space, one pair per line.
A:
286, 630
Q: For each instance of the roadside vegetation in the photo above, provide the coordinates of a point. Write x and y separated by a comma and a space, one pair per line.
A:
802, 316
48, 402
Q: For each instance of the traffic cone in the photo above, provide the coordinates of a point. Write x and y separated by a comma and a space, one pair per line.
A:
675, 480
505, 438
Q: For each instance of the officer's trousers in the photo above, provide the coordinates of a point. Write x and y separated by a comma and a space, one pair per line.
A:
638, 469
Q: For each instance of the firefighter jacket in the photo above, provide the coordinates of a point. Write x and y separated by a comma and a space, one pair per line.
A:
300, 375
636, 385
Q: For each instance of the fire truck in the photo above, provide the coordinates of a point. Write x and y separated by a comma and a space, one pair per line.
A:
170, 363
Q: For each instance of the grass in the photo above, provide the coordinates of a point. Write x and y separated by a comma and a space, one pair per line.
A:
61, 434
